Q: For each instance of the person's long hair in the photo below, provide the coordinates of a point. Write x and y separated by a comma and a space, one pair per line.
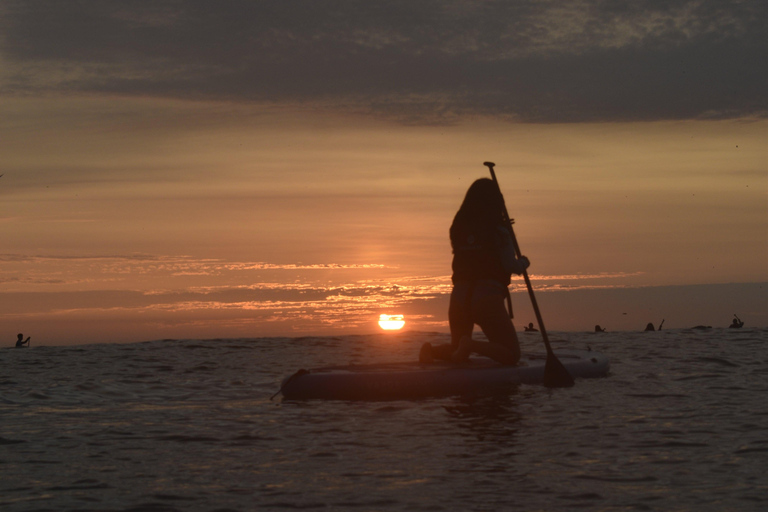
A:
482, 204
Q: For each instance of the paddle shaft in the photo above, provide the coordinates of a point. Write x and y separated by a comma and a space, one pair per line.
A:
525, 272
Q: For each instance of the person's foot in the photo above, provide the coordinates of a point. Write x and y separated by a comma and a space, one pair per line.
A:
425, 354
462, 352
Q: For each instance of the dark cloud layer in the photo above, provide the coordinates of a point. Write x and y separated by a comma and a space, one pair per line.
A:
421, 62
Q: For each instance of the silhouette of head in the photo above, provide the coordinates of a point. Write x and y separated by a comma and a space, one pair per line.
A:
20, 336
483, 201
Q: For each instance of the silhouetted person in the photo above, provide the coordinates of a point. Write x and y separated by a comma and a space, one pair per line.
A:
737, 323
483, 261
600, 329
649, 327
530, 328
20, 341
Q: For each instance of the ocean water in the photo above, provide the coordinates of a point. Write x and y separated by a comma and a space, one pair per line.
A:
681, 423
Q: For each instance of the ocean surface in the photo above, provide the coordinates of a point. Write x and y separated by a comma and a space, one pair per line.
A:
681, 423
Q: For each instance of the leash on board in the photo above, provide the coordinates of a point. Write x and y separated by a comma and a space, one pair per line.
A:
288, 380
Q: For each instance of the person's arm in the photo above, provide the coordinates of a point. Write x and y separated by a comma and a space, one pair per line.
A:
511, 263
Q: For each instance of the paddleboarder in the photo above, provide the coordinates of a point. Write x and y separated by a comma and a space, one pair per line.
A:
20, 341
737, 323
530, 328
650, 327
483, 261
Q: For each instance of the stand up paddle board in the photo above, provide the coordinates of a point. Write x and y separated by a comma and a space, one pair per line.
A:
411, 380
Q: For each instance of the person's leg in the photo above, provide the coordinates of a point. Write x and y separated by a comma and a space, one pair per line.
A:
490, 313
460, 313
459, 318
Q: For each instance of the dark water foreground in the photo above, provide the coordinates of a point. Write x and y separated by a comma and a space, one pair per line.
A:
680, 424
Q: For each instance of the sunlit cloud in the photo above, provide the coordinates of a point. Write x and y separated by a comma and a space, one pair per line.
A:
294, 266
576, 277
107, 272
353, 303
94, 269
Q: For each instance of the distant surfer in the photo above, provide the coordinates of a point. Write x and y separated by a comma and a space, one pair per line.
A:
599, 329
737, 323
20, 341
530, 328
483, 261
650, 327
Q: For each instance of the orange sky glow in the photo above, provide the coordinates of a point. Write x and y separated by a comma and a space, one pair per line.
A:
176, 170
285, 224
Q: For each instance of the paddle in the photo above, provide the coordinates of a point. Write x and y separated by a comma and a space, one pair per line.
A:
555, 374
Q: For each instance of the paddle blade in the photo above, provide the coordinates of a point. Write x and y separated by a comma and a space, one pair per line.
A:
555, 374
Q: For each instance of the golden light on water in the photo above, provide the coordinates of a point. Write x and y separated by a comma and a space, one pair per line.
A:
391, 322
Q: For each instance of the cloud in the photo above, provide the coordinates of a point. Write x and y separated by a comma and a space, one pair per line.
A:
359, 298
418, 62
292, 266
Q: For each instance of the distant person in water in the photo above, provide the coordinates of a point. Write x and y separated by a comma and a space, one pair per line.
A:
483, 261
600, 329
737, 323
649, 327
20, 341
530, 328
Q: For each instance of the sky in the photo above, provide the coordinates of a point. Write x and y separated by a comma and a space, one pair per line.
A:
190, 169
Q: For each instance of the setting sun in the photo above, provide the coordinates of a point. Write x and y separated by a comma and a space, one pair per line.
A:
391, 322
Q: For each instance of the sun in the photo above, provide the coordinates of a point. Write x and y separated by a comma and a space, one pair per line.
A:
391, 322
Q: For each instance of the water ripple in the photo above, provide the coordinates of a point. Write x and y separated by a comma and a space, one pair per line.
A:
188, 425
